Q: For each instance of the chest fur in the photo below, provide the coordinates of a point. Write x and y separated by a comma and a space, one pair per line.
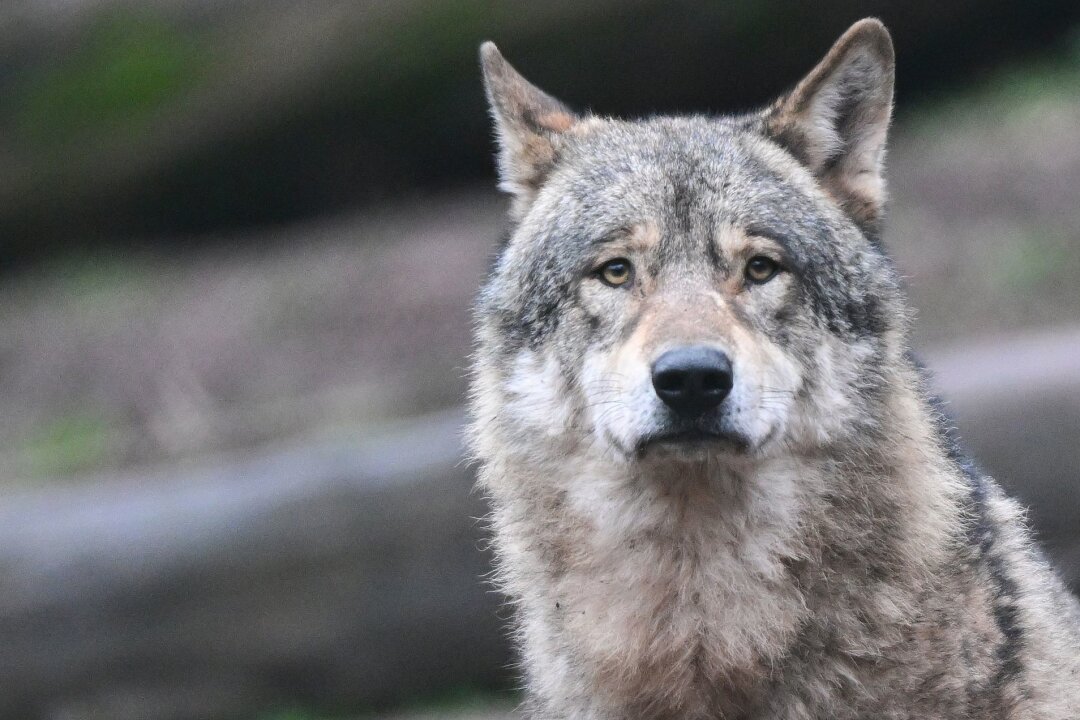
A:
664, 609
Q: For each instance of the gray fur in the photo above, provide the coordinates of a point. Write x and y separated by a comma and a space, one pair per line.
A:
828, 553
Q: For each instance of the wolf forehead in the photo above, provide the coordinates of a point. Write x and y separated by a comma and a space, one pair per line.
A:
686, 175
688, 179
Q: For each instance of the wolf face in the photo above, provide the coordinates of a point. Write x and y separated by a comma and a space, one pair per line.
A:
684, 288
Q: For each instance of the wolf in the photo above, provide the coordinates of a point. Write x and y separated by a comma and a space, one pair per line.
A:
720, 487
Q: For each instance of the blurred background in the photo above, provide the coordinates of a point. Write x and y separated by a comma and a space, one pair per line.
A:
239, 240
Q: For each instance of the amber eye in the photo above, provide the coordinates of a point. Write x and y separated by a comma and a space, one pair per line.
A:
615, 272
761, 269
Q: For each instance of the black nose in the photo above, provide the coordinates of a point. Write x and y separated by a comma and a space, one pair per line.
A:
692, 380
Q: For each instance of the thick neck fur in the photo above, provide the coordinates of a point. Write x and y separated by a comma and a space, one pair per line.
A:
668, 589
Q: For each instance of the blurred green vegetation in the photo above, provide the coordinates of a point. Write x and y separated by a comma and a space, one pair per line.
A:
1005, 91
1033, 259
73, 442
293, 714
129, 65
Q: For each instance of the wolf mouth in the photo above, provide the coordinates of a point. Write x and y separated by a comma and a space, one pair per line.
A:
694, 438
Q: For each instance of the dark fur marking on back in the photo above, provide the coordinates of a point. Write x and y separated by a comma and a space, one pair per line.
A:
983, 538
1006, 609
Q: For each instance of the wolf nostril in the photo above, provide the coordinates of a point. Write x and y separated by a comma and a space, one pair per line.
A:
692, 380
716, 381
668, 381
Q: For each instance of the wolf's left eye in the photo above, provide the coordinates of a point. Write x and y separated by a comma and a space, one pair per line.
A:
615, 272
761, 269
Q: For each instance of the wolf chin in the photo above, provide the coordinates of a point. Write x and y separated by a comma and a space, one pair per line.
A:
719, 487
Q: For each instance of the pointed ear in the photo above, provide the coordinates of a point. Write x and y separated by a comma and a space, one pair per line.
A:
836, 119
529, 124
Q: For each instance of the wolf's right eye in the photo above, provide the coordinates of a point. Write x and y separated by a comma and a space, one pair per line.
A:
761, 269
615, 272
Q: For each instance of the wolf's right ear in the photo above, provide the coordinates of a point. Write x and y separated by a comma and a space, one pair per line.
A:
529, 124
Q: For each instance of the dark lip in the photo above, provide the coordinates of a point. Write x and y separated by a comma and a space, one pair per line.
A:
692, 437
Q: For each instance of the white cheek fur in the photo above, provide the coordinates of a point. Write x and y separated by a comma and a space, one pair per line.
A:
620, 401
537, 396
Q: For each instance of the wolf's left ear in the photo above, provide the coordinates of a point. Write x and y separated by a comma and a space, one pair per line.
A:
529, 124
836, 119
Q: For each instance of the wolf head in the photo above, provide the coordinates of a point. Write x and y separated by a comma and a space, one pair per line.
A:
689, 287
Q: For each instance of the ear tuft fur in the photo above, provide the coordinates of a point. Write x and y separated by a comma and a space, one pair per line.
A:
836, 120
529, 124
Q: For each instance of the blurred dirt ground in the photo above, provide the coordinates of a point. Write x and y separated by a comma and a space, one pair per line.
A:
318, 329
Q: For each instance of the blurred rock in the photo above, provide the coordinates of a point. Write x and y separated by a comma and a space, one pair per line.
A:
333, 576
